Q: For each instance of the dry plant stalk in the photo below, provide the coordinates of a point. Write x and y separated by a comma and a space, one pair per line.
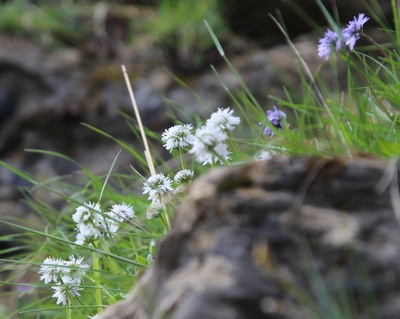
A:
147, 152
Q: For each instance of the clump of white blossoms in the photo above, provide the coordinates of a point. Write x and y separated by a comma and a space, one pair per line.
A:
92, 223
223, 119
272, 152
121, 212
183, 178
209, 143
158, 187
178, 136
67, 274
154, 209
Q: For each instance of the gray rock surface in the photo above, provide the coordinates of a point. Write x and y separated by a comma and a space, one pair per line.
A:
285, 238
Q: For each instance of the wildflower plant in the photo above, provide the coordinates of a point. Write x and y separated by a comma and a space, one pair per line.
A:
346, 37
94, 247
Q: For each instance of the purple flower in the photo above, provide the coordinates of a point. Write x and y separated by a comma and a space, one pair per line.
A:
352, 32
348, 36
275, 119
326, 43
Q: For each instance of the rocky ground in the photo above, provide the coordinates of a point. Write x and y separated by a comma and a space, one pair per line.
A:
281, 239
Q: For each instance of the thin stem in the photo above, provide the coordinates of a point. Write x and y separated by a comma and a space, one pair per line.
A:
168, 223
68, 313
182, 157
96, 276
137, 114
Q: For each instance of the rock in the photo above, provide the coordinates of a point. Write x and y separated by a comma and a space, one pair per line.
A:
285, 238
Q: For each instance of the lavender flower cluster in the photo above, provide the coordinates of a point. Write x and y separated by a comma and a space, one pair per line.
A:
346, 37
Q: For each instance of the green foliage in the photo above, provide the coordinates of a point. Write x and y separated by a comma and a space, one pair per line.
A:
174, 24
178, 25
45, 23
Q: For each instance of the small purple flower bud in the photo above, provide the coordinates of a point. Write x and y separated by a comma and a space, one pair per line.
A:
274, 117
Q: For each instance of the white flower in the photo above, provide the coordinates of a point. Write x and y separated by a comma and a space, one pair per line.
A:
181, 189
92, 223
87, 232
80, 239
84, 213
223, 119
94, 317
157, 186
266, 155
51, 269
107, 227
149, 259
184, 176
154, 209
272, 152
209, 146
62, 292
177, 136
121, 212
74, 275
58, 270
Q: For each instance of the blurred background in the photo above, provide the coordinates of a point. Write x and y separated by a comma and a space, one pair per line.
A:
60, 66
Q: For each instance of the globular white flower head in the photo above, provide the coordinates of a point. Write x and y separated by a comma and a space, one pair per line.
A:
58, 270
74, 274
93, 224
184, 176
208, 145
86, 212
154, 210
272, 151
121, 212
177, 136
51, 269
62, 292
223, 119
157, 186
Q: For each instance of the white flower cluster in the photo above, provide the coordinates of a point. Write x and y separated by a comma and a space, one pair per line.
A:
92, 223
159, 187
177, 136
209, 141
208, 146
66, 274
272, 152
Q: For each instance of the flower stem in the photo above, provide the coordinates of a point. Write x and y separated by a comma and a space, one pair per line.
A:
96, 276
68, 314
168, 223
182, 158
